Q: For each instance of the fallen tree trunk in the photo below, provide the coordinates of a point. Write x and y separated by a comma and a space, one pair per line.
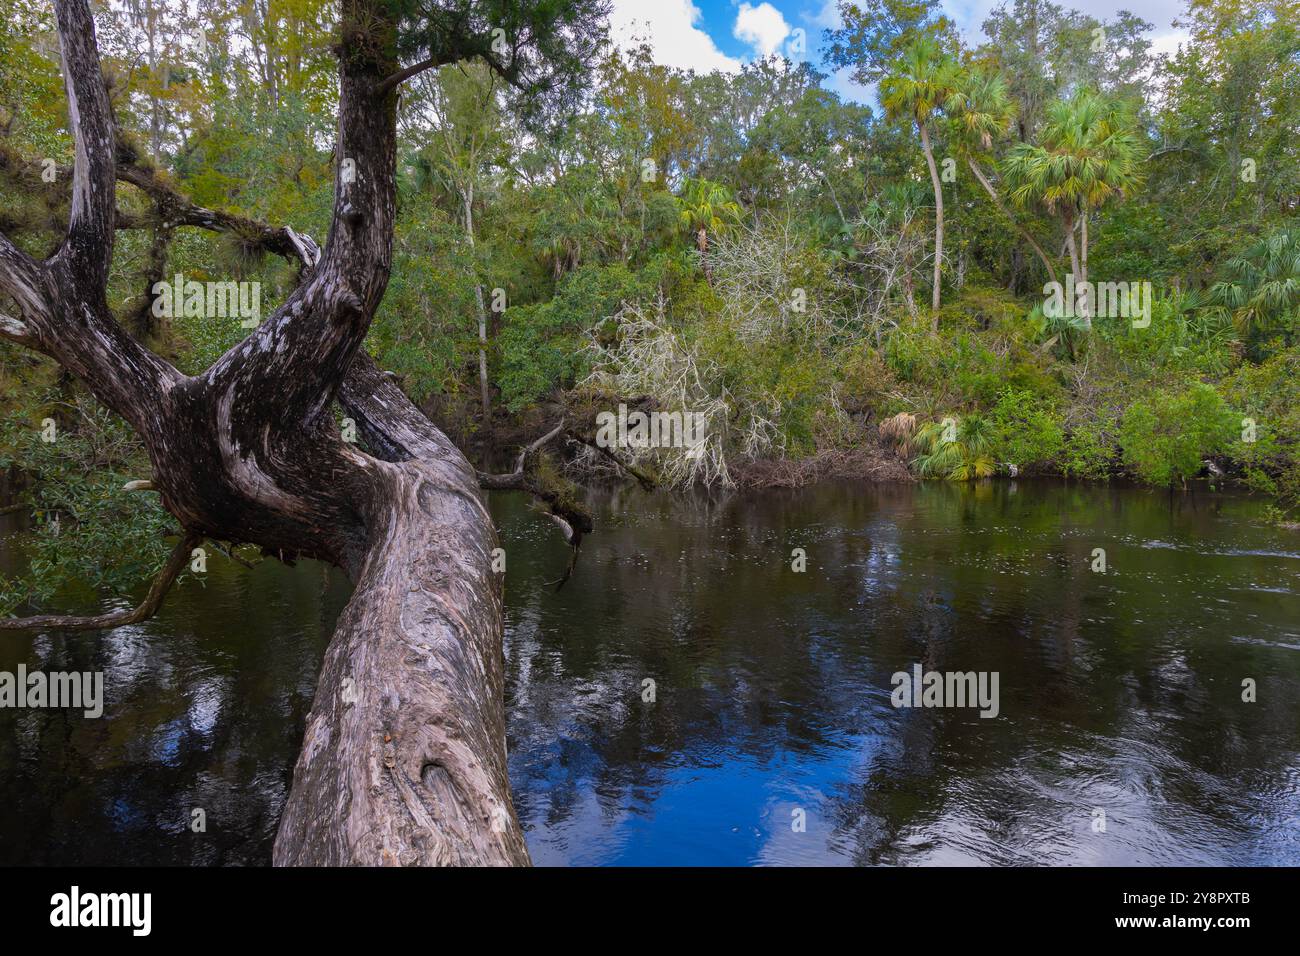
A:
405, 746
404, 757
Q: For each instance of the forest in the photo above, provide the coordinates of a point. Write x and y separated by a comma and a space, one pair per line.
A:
1048, 252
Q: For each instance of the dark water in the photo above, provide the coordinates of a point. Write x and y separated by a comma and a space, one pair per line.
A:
1119, 692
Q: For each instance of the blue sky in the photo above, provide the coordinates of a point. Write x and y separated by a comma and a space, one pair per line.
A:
721, 34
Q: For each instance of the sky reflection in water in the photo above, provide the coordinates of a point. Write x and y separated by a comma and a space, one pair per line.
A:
1119, 691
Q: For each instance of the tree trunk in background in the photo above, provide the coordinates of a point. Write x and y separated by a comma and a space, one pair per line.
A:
485, 394
1072, 247
938, 220
1083, 245
1024, 233
155, 122
1083, 253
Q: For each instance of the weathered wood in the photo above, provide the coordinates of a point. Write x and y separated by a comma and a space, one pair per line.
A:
404, 757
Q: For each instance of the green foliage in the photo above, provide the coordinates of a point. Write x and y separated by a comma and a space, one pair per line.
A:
707, 209
541, 345
1262, 292
984, 344
88, 531
1268, 396
551, 45
1183, 339
922, 82
425, 329
956, 449
1088, 153
873, 35
1090, 450
1025, 431
1166, 437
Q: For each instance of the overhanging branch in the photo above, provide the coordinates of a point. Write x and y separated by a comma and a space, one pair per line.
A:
176, 562
572, 519
646, 482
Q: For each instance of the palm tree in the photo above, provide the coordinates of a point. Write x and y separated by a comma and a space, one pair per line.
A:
707, 207
1087, 154
1263, 285
958, 451
984, 112
923, 82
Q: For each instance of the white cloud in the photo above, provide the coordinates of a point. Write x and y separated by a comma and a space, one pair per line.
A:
762, 27
1168, 43
670, 28
827, 16
842, 82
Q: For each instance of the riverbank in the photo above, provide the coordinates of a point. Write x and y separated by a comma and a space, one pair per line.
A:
884, 452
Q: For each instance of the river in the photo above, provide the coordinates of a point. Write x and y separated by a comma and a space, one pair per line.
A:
689, 698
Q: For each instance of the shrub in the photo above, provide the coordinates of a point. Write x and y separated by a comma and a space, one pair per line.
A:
1164, 438
1089, 450
1025, 430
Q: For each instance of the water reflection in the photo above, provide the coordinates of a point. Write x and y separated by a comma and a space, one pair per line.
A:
204, 708
1119, 692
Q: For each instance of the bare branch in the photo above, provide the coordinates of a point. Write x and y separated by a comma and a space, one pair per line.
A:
574, 539
572, 519
231, 554
464, 46
401, 76
180, 556
486, 480
15, 331
627, 468
176, 209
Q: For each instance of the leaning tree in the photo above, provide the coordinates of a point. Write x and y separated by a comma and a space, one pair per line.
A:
403, 760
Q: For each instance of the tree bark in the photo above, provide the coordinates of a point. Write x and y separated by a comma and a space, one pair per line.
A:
938, 220
404, 756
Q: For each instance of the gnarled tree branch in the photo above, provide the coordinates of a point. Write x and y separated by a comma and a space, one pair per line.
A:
176, 562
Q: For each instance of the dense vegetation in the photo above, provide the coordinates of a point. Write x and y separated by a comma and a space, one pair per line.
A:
816, 276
